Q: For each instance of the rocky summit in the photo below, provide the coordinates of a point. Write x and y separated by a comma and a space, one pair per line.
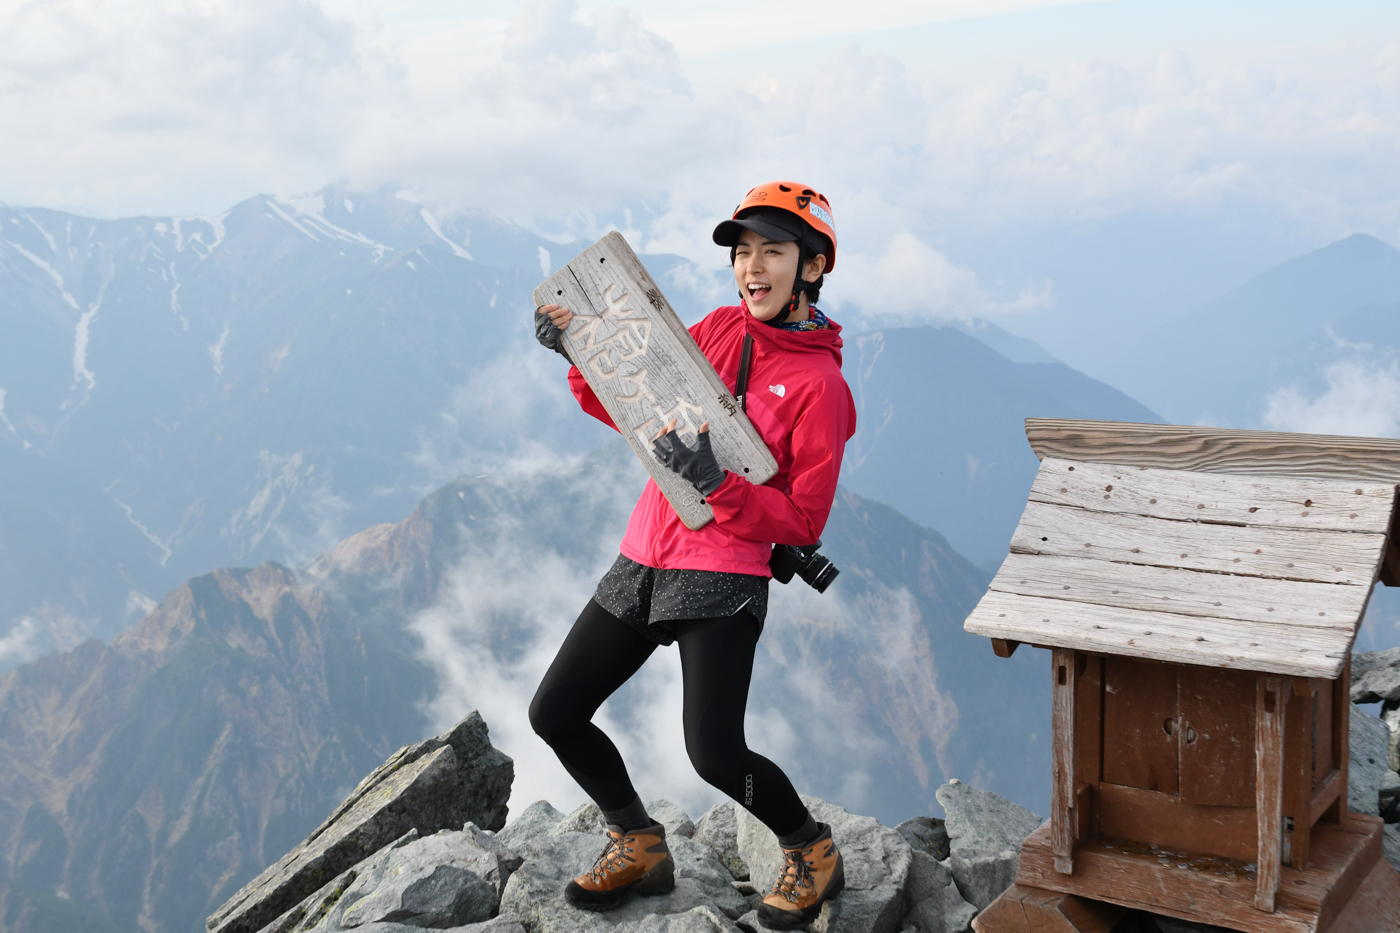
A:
423, 843
422, 788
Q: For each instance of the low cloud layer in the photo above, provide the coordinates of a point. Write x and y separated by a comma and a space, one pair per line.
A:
1361, 397
20, 643
847, 676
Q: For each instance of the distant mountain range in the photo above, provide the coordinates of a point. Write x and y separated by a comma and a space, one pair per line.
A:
144, 781
941, 429
1219, 364
182, 394
250, 387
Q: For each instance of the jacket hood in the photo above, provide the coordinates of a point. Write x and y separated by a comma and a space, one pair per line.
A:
795, 341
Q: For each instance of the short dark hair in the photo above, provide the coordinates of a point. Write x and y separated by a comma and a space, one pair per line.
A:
805, 254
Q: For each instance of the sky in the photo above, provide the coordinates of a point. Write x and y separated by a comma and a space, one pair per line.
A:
1061, 168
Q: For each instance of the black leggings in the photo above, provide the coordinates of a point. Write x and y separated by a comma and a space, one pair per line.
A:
601, 653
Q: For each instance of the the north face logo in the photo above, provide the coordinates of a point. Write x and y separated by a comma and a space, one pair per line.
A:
779, 390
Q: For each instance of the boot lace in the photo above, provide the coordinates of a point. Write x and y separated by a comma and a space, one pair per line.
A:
797, 874
612, 859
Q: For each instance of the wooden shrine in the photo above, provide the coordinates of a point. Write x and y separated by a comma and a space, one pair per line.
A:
1199, 590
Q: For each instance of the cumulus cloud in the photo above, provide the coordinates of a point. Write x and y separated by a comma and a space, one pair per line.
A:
1388, 68
20, 644
912, 283
1362, 397
133, 101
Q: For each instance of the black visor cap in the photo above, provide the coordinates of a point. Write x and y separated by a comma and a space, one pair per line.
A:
771, 223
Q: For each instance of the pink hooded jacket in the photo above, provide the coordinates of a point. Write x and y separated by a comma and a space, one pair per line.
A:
801, 406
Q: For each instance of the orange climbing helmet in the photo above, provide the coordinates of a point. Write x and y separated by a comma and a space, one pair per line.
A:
769, 210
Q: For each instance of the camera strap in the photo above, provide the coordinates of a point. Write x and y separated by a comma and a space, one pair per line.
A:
741, 387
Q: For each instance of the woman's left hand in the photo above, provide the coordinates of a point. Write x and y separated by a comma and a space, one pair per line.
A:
550, 323
696, 464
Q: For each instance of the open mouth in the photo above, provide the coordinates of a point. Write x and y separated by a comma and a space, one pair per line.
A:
758, 291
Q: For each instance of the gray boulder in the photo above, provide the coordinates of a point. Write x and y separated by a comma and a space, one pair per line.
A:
555, 850
312, 911
585, 818
1391, 845
492, 859
857, 910
719, 830
985, 832
498, 925
876, 860
935, 905
588, 818
1390, 797
1375, 676
1391, 717
536, 820
926, 834
1370, 756
436, 784
676, 820
445, 880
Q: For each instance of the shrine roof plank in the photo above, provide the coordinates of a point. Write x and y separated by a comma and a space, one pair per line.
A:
1257, 572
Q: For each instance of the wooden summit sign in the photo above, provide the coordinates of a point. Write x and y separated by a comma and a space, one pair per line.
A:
646, 369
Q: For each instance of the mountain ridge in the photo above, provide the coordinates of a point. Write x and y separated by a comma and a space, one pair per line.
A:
148, 778
1219, 361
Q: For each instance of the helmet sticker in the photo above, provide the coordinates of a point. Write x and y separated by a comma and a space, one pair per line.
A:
822, 215
802, 202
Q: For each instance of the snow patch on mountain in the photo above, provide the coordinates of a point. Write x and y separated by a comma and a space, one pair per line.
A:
146, 533
216, 351
432, 223
195, 238
53, 245
281, 479
6, 421
81, 335
288, 218
53, 273
311, 211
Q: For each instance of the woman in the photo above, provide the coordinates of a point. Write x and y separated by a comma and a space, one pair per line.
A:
708, 589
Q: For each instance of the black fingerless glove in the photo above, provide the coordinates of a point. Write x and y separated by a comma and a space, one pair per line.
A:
549, 336
696, 464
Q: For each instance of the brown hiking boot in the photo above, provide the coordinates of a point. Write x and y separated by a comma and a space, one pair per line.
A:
812, 874
632, 863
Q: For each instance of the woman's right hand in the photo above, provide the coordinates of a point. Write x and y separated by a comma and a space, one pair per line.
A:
550, 323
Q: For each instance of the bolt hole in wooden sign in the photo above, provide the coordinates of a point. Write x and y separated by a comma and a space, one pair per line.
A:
646, 369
